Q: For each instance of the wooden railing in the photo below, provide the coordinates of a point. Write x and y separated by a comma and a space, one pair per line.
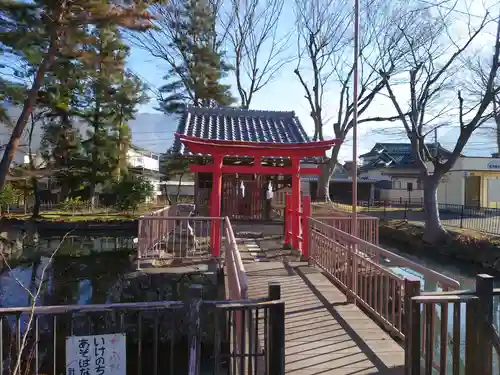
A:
237, 281
367, 226
355, 266
453, 332
177, 238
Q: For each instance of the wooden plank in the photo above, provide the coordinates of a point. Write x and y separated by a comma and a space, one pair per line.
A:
324, 334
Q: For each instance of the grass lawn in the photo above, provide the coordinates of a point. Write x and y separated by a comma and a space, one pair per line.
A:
82, 216
348, 207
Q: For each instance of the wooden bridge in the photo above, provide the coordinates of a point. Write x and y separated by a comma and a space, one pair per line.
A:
343, 309
346, 311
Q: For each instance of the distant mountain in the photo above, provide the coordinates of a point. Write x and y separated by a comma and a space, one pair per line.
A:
151, 131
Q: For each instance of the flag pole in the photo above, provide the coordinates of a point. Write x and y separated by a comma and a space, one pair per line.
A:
354, 225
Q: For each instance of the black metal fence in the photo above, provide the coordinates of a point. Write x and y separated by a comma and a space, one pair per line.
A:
188, 337
482, 219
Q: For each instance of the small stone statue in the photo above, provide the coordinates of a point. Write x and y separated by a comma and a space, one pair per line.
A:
182, 240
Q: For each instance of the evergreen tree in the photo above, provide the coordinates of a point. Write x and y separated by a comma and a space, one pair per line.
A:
128, 95
49, 29
109, 102
61, 141
201, 66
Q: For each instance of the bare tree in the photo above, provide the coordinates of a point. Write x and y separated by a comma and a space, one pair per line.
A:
28, 338
433, 64
325, 48
256, 44
248, 30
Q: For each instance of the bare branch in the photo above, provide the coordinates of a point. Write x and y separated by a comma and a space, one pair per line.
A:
257, 43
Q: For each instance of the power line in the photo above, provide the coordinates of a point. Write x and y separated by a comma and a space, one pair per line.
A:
452, 9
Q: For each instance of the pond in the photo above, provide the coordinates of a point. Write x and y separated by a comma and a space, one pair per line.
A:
463, 273
88, 270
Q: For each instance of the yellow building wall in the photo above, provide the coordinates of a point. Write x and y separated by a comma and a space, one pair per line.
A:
485, 176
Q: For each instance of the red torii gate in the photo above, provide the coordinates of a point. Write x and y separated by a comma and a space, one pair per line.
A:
256, 150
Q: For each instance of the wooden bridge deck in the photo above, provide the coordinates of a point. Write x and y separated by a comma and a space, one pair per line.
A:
324, 334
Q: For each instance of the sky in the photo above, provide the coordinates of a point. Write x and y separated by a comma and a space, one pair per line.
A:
154, 130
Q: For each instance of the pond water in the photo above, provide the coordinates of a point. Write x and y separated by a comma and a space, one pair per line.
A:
83, 270
463, 273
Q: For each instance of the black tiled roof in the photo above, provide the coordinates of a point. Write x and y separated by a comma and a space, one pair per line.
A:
234, 124
397, 155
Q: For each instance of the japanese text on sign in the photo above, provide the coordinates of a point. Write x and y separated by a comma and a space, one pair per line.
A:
96, 355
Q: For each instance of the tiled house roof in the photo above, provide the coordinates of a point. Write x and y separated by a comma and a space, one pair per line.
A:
236, 124
397, 155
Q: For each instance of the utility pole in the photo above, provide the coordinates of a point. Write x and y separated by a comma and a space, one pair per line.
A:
354, 224
436, 152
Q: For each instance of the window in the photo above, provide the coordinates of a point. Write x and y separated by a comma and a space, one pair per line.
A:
396, 184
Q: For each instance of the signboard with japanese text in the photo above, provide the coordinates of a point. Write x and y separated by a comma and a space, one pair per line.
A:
96, 355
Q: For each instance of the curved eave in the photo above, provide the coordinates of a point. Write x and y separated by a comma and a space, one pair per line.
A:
255, 149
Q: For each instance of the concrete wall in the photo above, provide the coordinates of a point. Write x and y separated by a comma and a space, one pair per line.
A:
451, 188
400, 194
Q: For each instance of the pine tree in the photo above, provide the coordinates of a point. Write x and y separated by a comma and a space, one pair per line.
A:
61, 141
109, 101
55, 28
128, 95
201, 67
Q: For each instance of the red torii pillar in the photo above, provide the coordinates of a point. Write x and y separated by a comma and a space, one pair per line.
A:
295, 202
256, 150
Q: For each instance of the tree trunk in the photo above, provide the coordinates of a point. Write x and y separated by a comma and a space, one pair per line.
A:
327, 169
323, 193
35, 213
179, 185
17, 132
434, 230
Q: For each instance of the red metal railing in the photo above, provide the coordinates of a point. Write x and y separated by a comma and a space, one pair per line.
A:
368, 227
354, 264
237, 281
176, 238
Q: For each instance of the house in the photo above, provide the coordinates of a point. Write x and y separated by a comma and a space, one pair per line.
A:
140, 161
243, 196
341, 185
473, 182
393, 167
146, 164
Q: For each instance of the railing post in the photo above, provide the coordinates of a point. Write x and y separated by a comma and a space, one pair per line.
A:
484, 290
193, 303
288, 221
276, 332
472, 341
306, 214
412, 333
351, 272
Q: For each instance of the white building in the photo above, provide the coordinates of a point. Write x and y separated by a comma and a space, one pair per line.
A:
147, 164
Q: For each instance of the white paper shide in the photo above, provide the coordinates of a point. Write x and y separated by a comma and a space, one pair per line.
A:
96, 355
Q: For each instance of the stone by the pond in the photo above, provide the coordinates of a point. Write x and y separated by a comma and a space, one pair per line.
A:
185, 209
181, 241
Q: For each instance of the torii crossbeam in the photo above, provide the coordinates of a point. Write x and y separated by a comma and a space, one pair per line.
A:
256, 150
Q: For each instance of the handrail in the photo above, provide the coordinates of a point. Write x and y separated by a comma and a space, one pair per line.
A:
445, 281
495, 338
234, 256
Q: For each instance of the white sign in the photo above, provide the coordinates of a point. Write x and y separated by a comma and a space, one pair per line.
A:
96, 355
